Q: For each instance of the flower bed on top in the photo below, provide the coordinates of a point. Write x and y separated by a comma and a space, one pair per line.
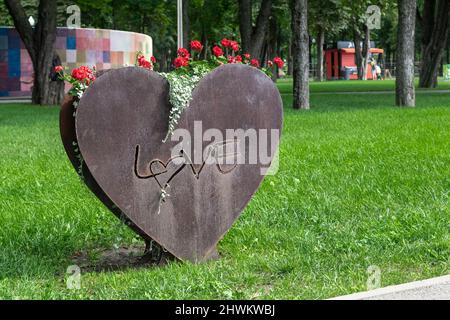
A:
189, 70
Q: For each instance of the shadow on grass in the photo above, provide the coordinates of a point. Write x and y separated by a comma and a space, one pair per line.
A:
120, 259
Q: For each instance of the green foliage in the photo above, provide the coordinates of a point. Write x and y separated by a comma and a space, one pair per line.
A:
210, 21
213, 20
357, 10
360, 183
182, 82
330, 15
30, 7
386, 37
5, 18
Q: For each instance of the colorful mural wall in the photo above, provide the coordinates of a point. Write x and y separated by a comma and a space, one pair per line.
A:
104, 49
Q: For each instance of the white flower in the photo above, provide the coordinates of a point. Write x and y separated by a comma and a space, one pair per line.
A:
180, 94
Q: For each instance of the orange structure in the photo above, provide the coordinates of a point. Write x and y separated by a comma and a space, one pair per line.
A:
341, 60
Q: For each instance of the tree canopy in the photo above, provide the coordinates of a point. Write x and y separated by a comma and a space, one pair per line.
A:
264, 28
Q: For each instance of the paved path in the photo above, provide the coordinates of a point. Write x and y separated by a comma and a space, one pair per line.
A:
379, 92
4, 101
15, 100
430, 289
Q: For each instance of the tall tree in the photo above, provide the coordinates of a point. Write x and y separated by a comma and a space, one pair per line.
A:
186, 24
434, 22
404, 82
387, 34
325, 17
39, 43
213, 20
361, 31
252, 37
245, 23
300, 53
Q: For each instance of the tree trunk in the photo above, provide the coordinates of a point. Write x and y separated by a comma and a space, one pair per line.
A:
186, 24
404, 82
39, 44
272, 46
320, 43
300, 52
261, 27
56, 85
365, 52
204, 40
114, 14
252, 38
264, 54
290, 67
435, 28
245, 24
362, 54
358, 53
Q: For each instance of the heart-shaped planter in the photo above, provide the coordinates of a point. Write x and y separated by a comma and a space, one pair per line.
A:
118, 130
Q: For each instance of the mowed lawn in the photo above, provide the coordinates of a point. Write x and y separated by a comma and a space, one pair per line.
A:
361, 183
285, 86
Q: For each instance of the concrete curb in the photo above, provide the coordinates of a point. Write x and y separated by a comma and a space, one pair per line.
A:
430, 289
14, 101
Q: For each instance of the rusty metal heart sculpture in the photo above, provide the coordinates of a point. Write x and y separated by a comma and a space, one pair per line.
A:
120, 123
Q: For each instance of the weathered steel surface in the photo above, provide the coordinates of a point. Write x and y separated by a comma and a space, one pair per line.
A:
70, 143
120, 124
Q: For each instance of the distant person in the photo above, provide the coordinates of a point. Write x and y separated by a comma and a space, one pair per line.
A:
387, 74
372, 65
378, 71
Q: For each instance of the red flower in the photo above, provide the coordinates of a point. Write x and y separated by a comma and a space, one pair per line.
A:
234, 46
84, 74
255, 63
218, 52
59, 69
145, 63
270, 63
180, 62
225, 42
231, 59
238, 58
153, 59
183, 52
247, 55
279, 62
196, 46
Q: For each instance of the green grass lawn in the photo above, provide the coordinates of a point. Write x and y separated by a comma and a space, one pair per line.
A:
285, 85
361, 183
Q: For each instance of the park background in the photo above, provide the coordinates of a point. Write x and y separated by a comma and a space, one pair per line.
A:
363, 185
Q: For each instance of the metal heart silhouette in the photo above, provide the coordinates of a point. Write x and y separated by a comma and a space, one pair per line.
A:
120, 123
